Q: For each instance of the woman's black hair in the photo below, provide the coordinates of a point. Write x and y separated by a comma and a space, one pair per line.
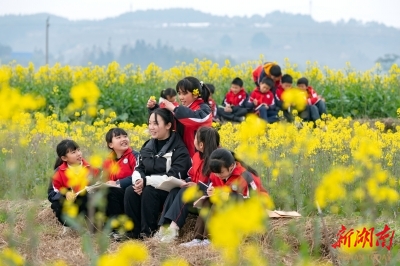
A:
211, 139
166, 115
192, 83
114, 132
168, 92
62, 149
225, 158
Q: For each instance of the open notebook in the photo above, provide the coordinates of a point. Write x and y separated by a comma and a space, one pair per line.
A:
95, 187
170, 183
283, 214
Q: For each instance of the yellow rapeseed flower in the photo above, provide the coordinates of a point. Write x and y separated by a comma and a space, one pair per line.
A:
11, 256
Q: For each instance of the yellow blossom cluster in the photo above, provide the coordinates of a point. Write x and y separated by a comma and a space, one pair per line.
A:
341, 161
12, 100
84, 95
127, 88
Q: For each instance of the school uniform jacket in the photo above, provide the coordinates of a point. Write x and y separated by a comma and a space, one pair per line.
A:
190, 118
237, 182
263, 71
213, 106
278, 96
238, 99
195, 172
267, 98
172, 160
126, 165
312, 96
60, 180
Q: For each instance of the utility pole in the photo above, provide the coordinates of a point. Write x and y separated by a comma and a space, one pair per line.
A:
47, 40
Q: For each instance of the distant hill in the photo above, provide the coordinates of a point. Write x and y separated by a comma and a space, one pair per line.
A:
189, 33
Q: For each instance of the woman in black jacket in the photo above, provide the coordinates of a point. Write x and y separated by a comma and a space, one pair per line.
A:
162, 156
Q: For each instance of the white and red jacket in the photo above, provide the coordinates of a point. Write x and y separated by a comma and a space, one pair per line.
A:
213, 106
238, 99
190, 119
238, 183
312, 96
61, 181
263, 71
125, 165
195, 173
266, 98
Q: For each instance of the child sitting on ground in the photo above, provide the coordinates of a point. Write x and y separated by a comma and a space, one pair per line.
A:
227, 171
72, 174
234, 103
286, 85
168, 94
262, 101
175, 210
315, 102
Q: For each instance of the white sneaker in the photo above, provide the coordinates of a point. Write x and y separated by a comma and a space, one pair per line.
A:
196, 243
169, 235
159, 234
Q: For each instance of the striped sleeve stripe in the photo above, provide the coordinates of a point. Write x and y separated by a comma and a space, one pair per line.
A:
200, 120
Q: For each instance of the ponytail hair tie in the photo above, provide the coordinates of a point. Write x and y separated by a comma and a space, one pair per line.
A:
201, 83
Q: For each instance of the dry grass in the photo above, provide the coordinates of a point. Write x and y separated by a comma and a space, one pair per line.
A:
41, 241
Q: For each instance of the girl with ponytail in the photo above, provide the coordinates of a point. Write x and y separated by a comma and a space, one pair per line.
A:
194, 110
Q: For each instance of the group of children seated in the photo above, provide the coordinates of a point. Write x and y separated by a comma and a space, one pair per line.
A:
266, 100
182, 145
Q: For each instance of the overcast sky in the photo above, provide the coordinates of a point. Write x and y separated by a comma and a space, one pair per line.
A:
384, 11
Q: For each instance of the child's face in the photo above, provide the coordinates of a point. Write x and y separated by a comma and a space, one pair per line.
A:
264, 88
286, 86
119, 143
302, 86
171, 99
225, 172
73, 157
235, 88
198, 145
186, 97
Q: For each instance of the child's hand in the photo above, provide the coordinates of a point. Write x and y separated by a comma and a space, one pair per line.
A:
170, 106
138, 187
70, 196
228, 109
255, 102
151, 103
210, 190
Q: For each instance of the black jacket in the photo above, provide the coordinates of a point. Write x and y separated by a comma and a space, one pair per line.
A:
152, 163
